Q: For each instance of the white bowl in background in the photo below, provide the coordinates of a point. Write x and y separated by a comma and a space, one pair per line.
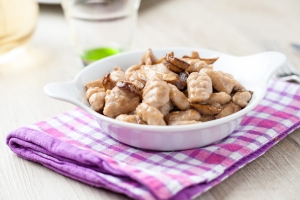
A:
253, 72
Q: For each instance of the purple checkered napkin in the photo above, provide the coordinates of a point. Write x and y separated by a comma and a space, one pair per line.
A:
72, 144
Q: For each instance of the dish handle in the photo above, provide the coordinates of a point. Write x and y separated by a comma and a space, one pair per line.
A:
66, 92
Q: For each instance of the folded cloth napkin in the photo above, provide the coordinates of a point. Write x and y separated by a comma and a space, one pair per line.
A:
72, 144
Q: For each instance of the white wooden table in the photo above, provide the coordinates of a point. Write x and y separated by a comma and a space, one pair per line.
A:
230, 26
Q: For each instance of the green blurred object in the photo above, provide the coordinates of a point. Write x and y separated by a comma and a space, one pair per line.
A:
93, 55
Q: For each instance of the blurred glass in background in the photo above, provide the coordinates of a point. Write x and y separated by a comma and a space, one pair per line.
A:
17, 23
100, 28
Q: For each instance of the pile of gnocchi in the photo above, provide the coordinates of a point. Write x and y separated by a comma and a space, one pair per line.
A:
167, 91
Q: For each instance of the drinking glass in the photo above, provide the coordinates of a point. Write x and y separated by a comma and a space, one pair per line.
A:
17, 23
100, 28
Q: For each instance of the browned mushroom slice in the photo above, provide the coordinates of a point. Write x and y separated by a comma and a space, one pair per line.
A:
135, 119
209, 60
110, 80
148, 58
242, 98
172, 67
176, 61
187, 115
96, 83
150, 114
175, 80
93, 90
206, 109
228, 110
107, 85
186, 93
184, 75
119, 101
97, 101
175, 123
129, 86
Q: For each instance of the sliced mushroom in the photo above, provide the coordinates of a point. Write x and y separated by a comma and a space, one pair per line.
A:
206, 109
172, 67
110, 80
175, 80
129, 86
176, 61
184, 75
107, 85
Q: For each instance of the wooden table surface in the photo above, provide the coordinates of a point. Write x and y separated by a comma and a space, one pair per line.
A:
231, 26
